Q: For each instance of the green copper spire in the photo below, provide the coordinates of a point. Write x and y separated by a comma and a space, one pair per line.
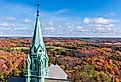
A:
37, 61
37, 37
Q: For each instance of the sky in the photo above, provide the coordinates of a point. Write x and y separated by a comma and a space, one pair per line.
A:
61, 18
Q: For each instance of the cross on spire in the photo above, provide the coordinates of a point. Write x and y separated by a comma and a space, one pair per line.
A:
37, 5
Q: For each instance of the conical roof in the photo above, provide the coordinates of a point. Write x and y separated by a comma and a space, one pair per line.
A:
37, 37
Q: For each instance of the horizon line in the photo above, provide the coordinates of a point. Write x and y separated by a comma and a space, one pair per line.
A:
62, 36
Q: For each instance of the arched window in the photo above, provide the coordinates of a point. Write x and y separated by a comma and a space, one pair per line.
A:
45, 62
35, 63
35, 50
40, 50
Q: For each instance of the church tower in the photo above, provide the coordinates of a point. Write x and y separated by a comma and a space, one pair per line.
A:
37, 61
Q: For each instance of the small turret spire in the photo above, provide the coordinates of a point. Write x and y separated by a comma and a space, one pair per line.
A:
37, 5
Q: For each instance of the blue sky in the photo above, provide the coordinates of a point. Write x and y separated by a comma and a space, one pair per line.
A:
73, 18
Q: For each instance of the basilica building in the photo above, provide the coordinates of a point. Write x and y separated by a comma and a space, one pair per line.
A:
37, 69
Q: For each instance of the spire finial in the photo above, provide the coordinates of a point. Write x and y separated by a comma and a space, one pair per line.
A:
37, 8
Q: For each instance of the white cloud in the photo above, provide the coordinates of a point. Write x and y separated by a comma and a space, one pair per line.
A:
61, 11
111, 25
101, 20
100, 29
79, 27
28, 21
5, 24
50, 23
59, 26
106, 28
101, 26
110, 29
68, 26
13, 25
110, 14
87, 20
51, 28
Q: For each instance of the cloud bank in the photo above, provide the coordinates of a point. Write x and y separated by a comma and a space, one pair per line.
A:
21, 22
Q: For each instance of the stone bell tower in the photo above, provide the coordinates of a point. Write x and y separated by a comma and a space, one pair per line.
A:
37, 61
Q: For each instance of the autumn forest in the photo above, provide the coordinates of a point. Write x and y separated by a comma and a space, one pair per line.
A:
83, 59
